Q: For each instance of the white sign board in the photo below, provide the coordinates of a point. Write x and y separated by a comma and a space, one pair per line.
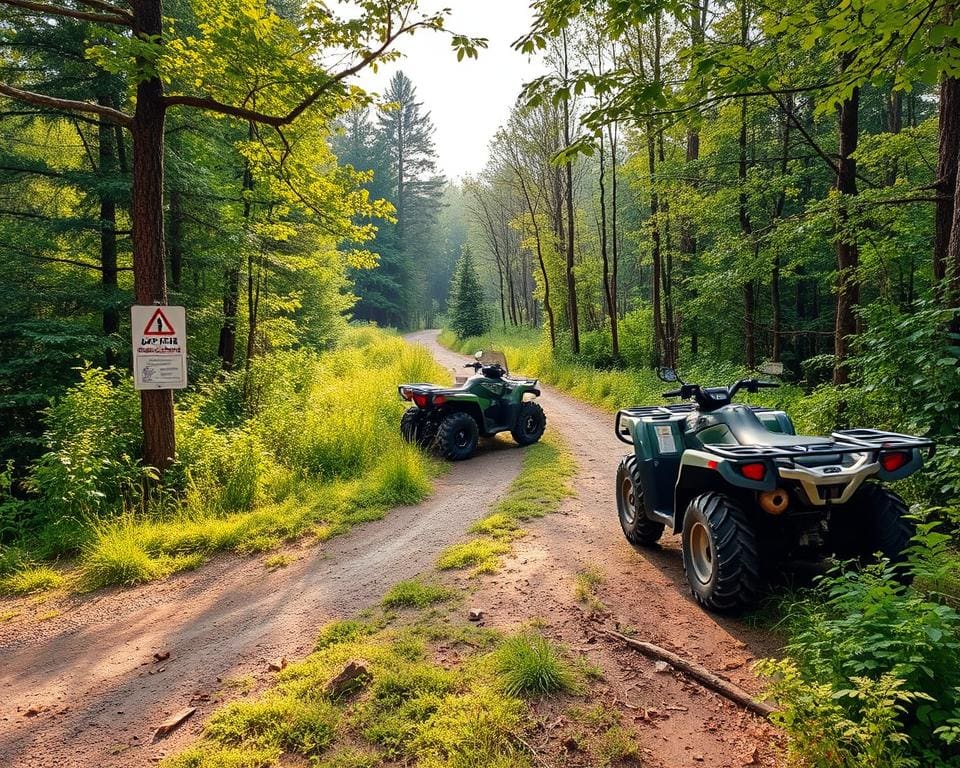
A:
159, 347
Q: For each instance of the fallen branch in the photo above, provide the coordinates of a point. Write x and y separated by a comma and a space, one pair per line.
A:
702, 675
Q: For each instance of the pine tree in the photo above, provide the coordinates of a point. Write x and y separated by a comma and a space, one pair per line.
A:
407, 130
468, 312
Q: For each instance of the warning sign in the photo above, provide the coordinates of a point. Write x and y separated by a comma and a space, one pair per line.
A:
159, 347
159, 325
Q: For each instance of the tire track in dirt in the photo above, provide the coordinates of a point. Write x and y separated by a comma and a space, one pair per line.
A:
90, 670
679, 722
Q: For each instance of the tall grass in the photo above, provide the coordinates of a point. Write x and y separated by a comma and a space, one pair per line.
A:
304, 442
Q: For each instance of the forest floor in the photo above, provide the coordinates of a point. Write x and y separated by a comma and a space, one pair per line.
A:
82, 687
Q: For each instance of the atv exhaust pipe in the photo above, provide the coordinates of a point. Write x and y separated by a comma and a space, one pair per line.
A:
774, 502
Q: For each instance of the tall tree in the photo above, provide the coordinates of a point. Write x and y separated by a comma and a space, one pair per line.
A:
229, 77
407, 131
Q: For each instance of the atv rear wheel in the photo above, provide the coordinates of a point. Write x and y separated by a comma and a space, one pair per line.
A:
531, 422
417, 428
720, 557
457, 436
637, 527
874, 520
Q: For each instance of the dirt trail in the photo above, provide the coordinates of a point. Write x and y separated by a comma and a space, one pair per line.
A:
680, 724
91, 674
90, 670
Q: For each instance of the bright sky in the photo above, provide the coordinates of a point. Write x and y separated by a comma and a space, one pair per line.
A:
468, 100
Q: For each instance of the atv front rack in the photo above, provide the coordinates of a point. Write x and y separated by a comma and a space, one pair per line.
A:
842, 442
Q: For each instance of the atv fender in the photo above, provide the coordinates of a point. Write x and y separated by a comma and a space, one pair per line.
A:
701, 472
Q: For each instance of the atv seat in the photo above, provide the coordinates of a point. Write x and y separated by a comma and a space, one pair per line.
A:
749, 430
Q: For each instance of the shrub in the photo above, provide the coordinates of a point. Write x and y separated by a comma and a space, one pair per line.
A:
875, 662
91, 465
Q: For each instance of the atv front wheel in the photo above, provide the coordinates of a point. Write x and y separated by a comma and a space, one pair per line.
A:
720, 557
874, 520
457, 436
531, 421
637, 527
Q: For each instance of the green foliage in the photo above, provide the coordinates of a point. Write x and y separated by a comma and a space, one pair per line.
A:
870, 677
276, 723
297, 456
91, 465
468, 313
415, 594
530, 665
410, 710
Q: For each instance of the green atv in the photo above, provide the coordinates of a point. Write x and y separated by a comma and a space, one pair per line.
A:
451, 421
746, 493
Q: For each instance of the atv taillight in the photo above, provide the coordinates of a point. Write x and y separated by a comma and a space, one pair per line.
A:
894, 460
754, 472
420, 399
439, 400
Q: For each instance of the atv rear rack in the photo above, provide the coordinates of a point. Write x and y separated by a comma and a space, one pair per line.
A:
842, 442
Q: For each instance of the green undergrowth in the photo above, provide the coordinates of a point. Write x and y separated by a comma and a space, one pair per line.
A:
415, 704
306, 443
540, 487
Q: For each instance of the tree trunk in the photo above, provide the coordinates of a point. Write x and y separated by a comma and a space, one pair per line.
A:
571, 224
609, 289
615, 246
150, 280
848, 253
227, 349
949, 152
746, 227
108, 232
659, 336
776, 341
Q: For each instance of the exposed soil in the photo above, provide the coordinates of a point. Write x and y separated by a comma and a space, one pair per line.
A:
82, 688
679, 723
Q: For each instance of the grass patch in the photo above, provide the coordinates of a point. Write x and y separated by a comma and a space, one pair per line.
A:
498, 526
530, 665
416, 594
275, 562
31, 580
413, 711
482, 554
585, 589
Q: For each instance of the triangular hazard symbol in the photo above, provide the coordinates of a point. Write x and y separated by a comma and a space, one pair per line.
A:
159, 325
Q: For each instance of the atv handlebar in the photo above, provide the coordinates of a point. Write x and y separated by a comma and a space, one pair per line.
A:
710, 398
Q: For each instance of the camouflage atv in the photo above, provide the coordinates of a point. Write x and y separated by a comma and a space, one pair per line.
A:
452, 420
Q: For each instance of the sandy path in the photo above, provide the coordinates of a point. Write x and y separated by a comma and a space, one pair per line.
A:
90, 670
644, 590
